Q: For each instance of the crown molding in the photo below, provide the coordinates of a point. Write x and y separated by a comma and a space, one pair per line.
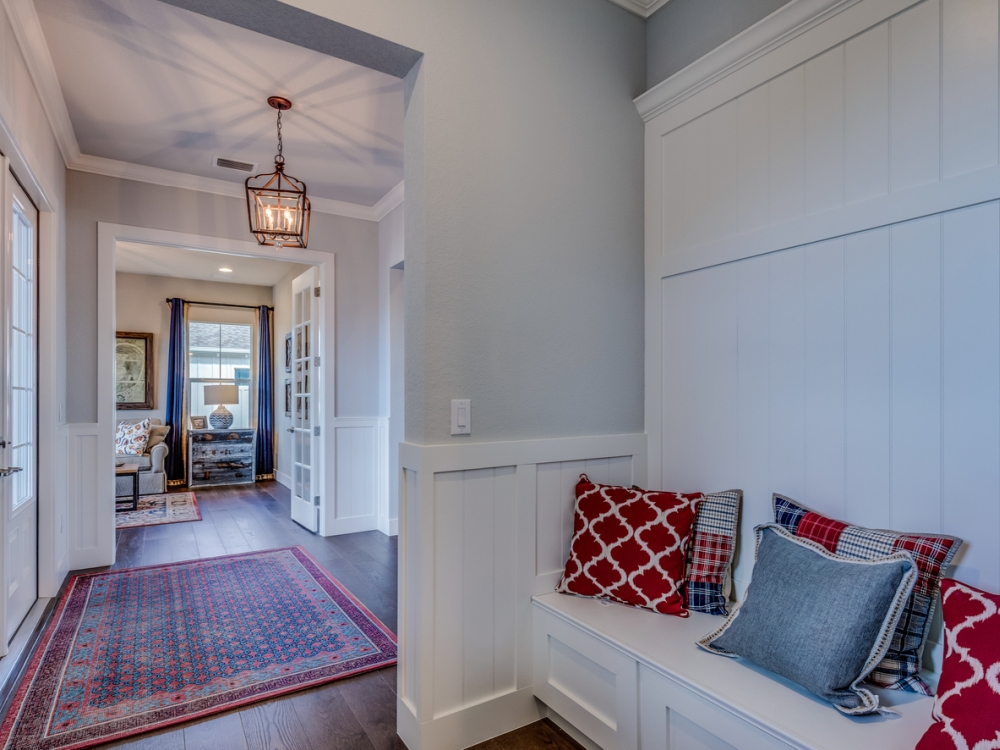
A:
642, 8
30, 38
390, 201
124, 170
786, 23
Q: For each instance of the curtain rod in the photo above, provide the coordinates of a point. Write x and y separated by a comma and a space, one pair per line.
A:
224, 304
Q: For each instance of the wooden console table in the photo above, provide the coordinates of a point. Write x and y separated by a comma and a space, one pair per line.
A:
220, 457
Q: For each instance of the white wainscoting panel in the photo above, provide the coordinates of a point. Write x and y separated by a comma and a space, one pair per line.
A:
359, 474
91, 491
486, 527
823, 276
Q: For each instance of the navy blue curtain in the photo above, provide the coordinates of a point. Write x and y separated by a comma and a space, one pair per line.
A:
265, 396
176, 361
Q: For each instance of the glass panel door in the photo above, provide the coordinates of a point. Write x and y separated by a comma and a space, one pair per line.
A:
305, 334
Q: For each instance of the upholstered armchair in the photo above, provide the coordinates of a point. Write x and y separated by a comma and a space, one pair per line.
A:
152, 477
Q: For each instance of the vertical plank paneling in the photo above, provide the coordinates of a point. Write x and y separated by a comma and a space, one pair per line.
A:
866, 379
914, 84
549, 513
678, 414
824, 131
478, 617
916, 375
969, 85
697, 181
753, 415
824, 377
787, 372
450, 604
722, 200
412, 592
504, 564
753, 146
970, 373
866, 104
673, 165
786, 149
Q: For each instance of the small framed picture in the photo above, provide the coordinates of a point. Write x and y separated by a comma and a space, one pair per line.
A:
199, 423
288, 397
288, 352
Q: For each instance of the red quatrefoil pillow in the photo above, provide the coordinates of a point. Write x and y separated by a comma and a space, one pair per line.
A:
630, 546
967, 707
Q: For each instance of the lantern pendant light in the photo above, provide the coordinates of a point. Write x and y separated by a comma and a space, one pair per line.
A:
277, 203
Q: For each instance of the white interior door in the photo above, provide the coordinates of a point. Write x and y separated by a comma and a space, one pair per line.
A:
306, 484
19, 408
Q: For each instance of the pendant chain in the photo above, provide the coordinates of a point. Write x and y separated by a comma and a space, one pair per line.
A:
279, 159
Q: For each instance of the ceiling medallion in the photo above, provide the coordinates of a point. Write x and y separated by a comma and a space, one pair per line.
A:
277, 202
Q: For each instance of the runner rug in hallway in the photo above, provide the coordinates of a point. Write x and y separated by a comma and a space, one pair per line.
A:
133, 650
154, 510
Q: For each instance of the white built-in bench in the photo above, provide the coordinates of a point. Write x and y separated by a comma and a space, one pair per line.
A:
629, 678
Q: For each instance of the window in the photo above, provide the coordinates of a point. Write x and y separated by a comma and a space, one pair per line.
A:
220, 353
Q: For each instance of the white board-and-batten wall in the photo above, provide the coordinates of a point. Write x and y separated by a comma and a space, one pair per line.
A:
823, 271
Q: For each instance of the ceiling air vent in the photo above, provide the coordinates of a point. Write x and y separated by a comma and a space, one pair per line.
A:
239, 166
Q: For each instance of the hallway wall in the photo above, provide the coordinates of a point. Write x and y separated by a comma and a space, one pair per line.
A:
94, 198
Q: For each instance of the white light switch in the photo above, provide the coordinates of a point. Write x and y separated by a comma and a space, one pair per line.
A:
461, 416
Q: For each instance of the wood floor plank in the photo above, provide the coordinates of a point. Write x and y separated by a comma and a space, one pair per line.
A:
221, 732
274, 726
328, 720
168, 739
182, 542
128, 552
542, 735
374, 704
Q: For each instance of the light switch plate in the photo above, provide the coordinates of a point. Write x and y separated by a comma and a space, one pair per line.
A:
461, 416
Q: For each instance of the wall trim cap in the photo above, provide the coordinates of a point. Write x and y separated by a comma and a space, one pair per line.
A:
784, 24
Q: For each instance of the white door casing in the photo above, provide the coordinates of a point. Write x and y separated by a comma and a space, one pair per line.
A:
307, 437
19, 407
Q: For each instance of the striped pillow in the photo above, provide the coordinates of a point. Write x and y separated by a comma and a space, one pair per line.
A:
900, 668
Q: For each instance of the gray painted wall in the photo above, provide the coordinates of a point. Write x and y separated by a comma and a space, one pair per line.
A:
93, 198
524, 213
683, 30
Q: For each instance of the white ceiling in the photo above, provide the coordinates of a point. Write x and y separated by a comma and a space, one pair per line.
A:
157, 260
159, 86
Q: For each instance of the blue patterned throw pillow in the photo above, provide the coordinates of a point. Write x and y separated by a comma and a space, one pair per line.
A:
818, 619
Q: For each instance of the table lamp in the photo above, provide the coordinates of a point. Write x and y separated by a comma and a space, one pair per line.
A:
221, 418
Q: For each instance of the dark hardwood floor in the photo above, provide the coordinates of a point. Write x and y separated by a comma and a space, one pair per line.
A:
356, 713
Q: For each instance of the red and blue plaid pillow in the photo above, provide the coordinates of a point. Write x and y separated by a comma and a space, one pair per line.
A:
710, 556
900, 668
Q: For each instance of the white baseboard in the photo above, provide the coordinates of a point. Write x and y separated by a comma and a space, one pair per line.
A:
471, 725
388, 526
283, 479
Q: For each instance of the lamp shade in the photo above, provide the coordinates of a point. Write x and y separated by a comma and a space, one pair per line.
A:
222, 394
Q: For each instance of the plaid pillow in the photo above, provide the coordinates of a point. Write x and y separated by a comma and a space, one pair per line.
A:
900, 668
710, 557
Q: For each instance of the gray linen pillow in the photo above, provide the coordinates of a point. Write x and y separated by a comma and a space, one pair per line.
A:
820, 620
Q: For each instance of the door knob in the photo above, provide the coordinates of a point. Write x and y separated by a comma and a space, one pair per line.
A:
291, 429
11, 470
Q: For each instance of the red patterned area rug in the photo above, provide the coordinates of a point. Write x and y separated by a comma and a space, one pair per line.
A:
130, 651
174, 507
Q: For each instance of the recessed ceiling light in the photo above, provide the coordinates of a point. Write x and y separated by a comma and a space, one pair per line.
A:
226, 270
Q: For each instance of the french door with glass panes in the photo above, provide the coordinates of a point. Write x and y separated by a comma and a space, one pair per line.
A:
18, 407
305, 386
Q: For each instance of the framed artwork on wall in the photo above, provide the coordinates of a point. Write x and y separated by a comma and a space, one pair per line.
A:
288, 352
133, 370
288, 397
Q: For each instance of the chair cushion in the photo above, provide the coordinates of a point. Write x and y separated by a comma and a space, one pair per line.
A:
144, 461
630, 546
967, 707
131, 437
900, 670
818, 619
